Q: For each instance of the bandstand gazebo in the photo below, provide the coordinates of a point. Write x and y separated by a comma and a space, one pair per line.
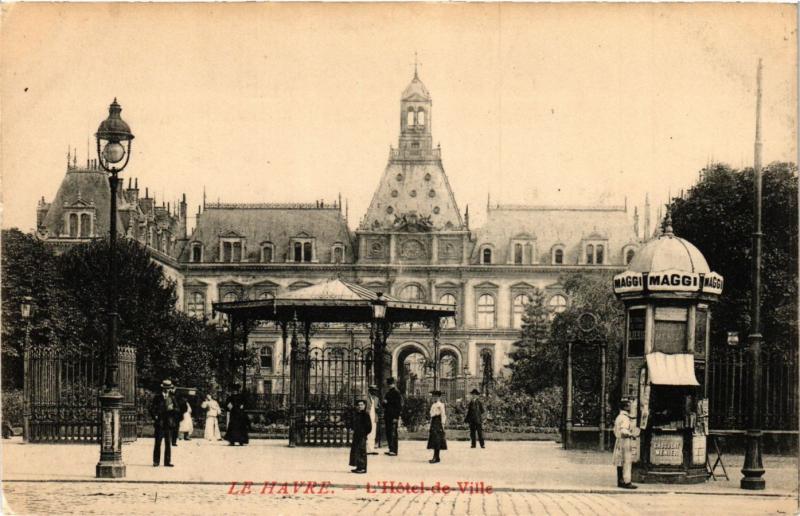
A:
326, 381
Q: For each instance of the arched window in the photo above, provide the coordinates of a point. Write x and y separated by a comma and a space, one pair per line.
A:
486, 370
486, 256
307, 251
590, 254
421, 117
338, 254
448, 299
518, 254
196, 305
410, 118
265, 356
266, 295
298, 252
230, 297
486, 311
558, 256
86, 225
197, 253
412, 293
519, 309
557, 304
598, 253
73, 224
448, 364
629, 256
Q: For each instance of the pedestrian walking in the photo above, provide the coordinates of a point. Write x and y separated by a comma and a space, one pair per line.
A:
372, 411
475, 418
392, 408
362, 426
186, 426
625, 433
163, 410
436, 437
238, 423
210, 405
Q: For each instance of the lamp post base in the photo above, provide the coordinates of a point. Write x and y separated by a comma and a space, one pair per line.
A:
110, 469
753, 483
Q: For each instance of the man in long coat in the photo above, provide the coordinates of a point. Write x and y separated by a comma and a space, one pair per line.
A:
362, 426
625, 433
392, 408
238, 423
475, 418
164, 410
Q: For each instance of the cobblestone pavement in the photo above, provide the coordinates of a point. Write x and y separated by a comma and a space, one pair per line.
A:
149, 498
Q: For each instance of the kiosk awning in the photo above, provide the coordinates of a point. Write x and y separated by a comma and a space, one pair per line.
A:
677, 369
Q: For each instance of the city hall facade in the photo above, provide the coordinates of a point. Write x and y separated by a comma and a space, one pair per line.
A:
413, 243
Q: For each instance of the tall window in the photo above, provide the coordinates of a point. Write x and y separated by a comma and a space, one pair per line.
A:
86, 225
519, 309
298, 252
557, 304
232, 251
410, 118
197, 253
486, 256
265, 357
338, 254
629, 256
486, 311
558, 256
448, 299
412, 293
267, 252
590, 254
421, 117
73, 224
598, 254
196, 305
518, 254
486, 370
306, 251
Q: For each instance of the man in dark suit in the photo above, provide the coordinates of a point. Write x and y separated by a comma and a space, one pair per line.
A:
392, 407
164, 410
475, 417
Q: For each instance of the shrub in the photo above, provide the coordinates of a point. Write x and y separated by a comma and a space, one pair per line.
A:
13, 406
415, 413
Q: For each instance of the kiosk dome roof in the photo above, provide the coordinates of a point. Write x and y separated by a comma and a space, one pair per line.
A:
668, 252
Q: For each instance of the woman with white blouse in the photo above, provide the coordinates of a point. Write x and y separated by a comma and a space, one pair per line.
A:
436, 437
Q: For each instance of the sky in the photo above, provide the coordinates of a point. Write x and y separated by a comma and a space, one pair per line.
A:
540, 104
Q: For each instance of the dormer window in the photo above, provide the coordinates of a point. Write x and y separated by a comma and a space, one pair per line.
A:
73, 225
337, 253
86, 225
267, 252
522, 250
197, 252
628, 252
302, 250
231, 251
558, 255
594, 251
486, 256
79, 224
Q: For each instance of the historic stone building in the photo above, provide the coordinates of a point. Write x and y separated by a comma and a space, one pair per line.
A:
413, 242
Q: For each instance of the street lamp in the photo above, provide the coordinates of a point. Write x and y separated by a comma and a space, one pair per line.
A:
378, 318
113, 146
25, 309
753, 467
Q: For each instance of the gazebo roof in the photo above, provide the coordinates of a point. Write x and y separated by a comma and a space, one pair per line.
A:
333, 301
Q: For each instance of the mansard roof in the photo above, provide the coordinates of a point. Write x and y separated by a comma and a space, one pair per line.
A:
87, 187
555, 225
276, 223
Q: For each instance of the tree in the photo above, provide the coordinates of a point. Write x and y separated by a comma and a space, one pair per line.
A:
535, 363
717, 217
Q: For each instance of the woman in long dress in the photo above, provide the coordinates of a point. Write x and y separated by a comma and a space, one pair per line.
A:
436, 437
238, 424
212, 423
186, 426
362, 426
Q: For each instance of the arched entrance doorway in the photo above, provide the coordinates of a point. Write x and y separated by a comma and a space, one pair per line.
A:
412, 370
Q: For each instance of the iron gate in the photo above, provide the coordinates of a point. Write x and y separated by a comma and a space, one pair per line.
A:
62, 396
326, 382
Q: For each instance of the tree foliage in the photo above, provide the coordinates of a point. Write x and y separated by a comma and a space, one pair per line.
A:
70, 294
717, 217
534, 363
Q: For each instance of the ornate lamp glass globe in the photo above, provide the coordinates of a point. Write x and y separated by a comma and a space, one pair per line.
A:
113, 152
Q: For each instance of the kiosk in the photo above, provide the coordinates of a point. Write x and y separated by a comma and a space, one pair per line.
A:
667, 290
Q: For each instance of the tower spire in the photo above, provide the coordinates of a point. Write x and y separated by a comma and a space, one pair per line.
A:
415, 65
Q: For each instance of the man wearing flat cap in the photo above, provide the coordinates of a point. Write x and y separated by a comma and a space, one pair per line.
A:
475, 417
164, 411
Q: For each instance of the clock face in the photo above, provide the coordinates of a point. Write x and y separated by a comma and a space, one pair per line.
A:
587, 322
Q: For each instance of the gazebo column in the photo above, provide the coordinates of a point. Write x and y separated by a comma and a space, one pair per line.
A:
382, 363
435, 332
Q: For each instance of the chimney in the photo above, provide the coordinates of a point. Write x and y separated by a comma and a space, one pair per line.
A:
636, 221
